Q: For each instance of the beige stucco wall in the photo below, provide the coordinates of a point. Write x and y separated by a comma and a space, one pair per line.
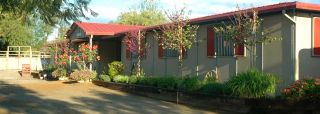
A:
277, 55
308, 65
272, 57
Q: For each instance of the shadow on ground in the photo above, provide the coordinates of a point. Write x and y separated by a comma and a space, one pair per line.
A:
16, 99
114, 103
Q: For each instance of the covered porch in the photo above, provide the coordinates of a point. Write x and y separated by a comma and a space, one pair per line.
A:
108, 38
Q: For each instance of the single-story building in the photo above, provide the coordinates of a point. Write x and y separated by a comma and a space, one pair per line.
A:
294, 57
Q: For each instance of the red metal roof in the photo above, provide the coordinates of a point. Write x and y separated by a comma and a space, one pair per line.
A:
261, 10
115, 29
104, 29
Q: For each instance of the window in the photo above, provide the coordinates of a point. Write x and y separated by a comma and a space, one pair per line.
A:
316, 36
218, 46
223, 47
163, 53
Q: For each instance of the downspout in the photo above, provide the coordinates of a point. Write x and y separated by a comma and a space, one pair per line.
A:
294, 60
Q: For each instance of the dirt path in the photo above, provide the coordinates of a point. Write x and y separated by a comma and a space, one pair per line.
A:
51, 97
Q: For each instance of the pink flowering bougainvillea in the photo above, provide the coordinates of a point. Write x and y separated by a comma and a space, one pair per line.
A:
85, 55
303, 88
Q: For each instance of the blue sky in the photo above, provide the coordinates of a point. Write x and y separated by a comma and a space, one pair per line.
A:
109, 10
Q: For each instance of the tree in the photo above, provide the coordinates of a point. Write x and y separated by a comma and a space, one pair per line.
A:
146, 13
244, 29
14, 33
134, 42
178, 35
49, 11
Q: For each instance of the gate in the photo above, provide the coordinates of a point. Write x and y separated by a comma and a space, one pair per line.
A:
16, 56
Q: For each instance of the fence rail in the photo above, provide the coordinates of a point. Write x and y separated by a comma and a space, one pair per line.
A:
24, 54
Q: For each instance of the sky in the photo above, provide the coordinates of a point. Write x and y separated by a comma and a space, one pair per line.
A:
109, 10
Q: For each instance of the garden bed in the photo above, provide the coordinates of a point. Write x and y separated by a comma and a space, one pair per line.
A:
214, 102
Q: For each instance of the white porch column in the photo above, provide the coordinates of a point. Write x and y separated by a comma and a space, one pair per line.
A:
90, 43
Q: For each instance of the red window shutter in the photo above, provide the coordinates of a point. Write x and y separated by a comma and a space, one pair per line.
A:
210, 42
239, 50
160, 49
128, 53
316, 36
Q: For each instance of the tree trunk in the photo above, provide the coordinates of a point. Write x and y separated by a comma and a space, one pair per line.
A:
180, 61
139, 54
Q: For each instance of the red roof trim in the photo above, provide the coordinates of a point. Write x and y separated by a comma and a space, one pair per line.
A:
261, 10
116, 29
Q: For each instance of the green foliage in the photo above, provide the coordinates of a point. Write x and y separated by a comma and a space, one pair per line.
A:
253, 84
147, 81
168, 82
83, 75
60, 72
134, 79
105, 78
305, 88
49, 11
121, 79
145, 14
192, 83
115, 68
215, 88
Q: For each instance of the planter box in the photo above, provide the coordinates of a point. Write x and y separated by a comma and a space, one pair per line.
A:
214, 102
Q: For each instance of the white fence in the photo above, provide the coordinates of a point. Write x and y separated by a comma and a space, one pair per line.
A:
13, 60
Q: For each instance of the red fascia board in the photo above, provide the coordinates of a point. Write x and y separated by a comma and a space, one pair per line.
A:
308, 6
100, 33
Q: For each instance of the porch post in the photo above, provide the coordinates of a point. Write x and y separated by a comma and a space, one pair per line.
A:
90, 43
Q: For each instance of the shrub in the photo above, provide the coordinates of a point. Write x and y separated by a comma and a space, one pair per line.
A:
252, 84
134, 79
147, 81
115, 68
83, 75
303, 89
191, 83
168, 82
60, 72
215, 88
105, 78
121, 79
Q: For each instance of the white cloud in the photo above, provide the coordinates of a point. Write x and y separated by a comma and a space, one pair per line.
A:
107, 12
